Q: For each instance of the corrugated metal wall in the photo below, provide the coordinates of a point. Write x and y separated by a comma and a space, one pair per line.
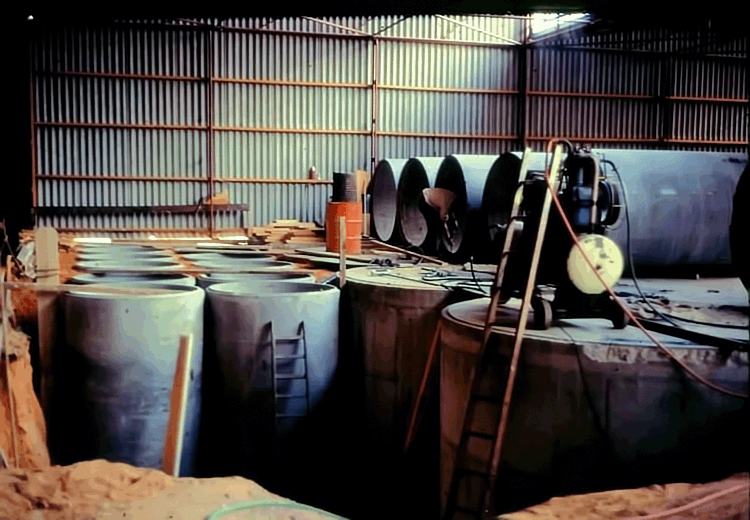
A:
137, 115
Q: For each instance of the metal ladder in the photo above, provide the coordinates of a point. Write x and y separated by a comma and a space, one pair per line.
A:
276, 377
488, 476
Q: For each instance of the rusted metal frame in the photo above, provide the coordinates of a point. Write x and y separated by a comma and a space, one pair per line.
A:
381, 31
126, 126
450, 90
133, 210
476, 29
282, 32
289, 130
707, 100
374, 108
128, 178
135, 178
438, 41
258, 180
665, 90
654, 54
32, 104
117, 75
209, 35
291, 83
448, 136
589, 95
192, 231
524, 56
593, 139
699, 141
335, 25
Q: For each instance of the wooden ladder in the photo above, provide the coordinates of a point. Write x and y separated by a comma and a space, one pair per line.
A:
487, 477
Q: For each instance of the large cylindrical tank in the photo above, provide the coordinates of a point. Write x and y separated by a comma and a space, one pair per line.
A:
126, 265
384, 204
226, 257
124, 255
393, 315
739, 227
137, 278
256, 432
242, 266
113, 371
418, 223
680, 205
593, 407
464, 175
206, 280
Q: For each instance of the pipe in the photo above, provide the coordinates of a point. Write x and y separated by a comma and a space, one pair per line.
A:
413, 215
384, 199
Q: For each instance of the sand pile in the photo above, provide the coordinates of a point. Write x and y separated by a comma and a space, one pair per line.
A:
107, 491
643, 502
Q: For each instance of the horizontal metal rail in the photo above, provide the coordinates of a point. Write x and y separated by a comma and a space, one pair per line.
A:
136, 178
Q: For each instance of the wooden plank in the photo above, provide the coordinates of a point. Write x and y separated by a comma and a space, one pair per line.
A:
48, 273
177, 407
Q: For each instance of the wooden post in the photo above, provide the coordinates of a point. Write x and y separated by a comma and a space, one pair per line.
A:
342, 251
47, 273
178, 404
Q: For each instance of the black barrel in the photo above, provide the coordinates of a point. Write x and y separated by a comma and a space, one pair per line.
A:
344, 187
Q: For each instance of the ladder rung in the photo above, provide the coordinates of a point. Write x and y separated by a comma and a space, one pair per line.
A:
291, 376
480, 435
290, 338
296, 356
291, 396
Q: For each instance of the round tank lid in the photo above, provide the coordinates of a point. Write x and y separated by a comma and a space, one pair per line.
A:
413, 277
152, 277
250, 289
593, 331
155, 290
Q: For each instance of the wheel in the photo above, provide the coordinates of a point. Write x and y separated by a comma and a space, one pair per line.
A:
542, 313
619, 318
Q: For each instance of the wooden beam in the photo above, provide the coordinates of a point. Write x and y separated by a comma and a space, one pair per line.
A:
177, 407
48, 274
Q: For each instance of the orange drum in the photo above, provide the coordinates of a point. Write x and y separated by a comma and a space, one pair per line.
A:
352, 211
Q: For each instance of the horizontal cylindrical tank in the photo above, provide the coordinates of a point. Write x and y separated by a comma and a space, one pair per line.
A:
464, 175
138, 278
414, 216
262, 401
243, 266
383, 199
738, 228
593, 407
125, 265
113, 371
680, 204
206, 280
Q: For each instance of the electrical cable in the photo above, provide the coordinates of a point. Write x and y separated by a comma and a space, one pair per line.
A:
474, 276
624, 307
664, 316
289, 504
